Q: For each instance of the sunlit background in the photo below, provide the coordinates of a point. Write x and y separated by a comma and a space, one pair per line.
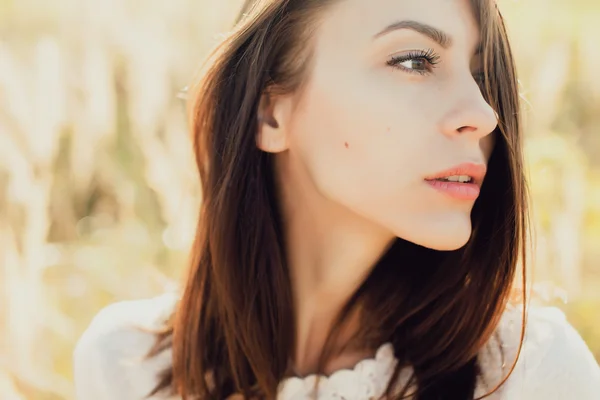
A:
99, 194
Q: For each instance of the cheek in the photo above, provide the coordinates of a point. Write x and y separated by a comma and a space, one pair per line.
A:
360, 144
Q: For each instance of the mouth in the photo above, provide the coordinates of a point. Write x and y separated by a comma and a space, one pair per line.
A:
462, 181
455, 178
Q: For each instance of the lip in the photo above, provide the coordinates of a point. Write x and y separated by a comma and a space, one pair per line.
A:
462, 191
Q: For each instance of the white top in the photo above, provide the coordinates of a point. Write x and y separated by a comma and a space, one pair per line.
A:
555, 363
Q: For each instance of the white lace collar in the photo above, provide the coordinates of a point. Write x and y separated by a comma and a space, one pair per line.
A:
367, 379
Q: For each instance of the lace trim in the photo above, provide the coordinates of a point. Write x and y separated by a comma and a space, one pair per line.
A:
369, 377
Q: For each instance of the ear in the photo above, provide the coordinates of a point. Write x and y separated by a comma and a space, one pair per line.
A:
274, 112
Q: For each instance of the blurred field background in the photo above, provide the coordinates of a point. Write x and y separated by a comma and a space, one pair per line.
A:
98, 192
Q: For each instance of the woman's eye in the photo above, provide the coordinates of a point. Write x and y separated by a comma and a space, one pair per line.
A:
421, 62
416, 64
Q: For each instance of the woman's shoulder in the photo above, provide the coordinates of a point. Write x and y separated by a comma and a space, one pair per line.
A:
109, 357
554, 363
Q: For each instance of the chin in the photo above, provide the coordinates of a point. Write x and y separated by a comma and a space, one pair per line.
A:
443, 233
447, 244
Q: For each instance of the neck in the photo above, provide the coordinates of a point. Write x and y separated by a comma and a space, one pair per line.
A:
330, 251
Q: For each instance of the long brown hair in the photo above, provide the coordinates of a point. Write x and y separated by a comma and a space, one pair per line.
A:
232, 330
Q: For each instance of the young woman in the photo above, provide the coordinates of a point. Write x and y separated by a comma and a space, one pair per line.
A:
363, 215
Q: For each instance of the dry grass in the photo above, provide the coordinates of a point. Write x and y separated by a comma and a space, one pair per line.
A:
98, 191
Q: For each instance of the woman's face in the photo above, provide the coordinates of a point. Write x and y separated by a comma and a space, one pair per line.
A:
372, 123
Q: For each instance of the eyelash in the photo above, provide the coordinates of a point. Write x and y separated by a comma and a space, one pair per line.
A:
432, 59
429, 56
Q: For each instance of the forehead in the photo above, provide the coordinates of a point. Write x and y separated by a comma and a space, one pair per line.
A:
360, 20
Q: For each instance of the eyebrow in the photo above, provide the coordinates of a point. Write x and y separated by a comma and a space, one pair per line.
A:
442, 38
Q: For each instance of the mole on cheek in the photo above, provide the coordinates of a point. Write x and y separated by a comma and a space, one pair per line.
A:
388, 129
346, 144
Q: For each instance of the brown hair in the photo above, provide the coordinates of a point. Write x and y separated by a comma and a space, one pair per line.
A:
233, 328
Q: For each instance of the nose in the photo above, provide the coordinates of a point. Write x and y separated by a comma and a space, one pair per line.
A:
468, 112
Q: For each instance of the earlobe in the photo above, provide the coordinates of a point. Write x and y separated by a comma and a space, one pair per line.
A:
271, 135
